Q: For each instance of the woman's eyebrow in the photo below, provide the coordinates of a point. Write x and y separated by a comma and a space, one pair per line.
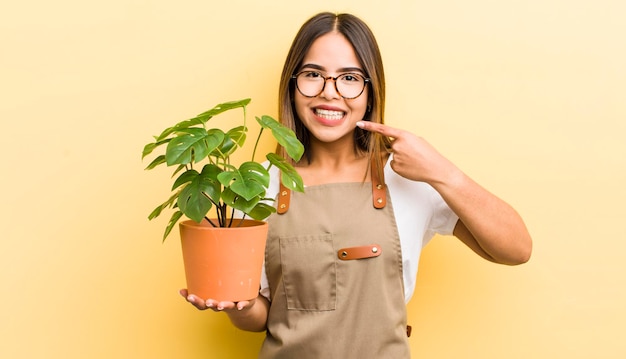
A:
341, 70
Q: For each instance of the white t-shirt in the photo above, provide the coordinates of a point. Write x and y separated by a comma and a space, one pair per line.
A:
420, 213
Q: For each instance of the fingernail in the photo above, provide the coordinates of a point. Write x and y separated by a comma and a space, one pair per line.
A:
219, 307
359, 124
209, 305
190, 298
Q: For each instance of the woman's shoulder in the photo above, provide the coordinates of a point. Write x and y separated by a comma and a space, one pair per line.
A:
401, 188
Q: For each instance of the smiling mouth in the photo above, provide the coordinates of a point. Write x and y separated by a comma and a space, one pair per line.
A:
329, 114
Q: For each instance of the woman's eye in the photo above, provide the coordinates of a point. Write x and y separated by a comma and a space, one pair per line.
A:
313, 74
350, 78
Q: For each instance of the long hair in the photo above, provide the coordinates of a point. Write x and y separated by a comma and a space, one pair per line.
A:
367, 52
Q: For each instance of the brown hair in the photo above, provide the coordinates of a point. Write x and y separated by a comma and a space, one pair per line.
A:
368, 54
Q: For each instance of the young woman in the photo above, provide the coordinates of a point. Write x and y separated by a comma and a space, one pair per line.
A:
341, 258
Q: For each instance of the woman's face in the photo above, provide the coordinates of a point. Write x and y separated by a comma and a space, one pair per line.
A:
329, 117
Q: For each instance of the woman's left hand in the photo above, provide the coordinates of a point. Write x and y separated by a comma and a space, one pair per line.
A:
413, 157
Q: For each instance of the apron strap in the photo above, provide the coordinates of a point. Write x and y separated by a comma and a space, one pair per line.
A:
284, 197
379, 192
379, 188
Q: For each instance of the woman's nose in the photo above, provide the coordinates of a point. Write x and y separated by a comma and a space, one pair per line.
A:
330, 89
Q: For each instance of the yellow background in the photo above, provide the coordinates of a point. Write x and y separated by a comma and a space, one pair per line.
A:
528, 97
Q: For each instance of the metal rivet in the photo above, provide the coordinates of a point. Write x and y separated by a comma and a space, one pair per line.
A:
282, 206
344, 254
374, 250
284, 193
380, 200
379, 186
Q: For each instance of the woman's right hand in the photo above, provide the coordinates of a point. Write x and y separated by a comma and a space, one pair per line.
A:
250, 315
223, 306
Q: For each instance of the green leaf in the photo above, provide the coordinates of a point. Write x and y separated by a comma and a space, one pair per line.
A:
170, 225
234, 139
250, 180
238, 135
261, 211
157, 211
202, 118
179, 127
211, 185
192, 201
235, 201
180, 150
292, 180
226, 106
192, 144
147, 149
288, 174
157, 161
185, 177
178, 169
285, 137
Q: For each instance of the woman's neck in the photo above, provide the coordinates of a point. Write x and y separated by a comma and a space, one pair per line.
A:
333, 164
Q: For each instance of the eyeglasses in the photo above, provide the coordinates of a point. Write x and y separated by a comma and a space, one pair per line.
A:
348, 85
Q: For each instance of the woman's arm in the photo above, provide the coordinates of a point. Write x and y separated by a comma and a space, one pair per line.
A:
487, 224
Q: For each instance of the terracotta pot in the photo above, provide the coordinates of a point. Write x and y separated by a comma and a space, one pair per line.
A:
223, 263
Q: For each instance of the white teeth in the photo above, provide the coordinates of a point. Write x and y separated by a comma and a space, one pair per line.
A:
328, 114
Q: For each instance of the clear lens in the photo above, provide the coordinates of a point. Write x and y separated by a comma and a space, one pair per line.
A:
350, 85
310, 83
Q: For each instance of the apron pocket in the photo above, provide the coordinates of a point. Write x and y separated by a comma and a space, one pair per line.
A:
309, 272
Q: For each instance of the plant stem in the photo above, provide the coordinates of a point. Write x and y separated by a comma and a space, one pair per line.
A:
222, 217
256, 144
208, 220
232, 218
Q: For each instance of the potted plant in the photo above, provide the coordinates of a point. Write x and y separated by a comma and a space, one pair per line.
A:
206, 179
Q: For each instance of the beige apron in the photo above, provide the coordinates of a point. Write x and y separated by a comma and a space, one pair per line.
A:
334, 266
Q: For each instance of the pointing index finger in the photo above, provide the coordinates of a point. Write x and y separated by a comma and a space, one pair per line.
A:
379, 128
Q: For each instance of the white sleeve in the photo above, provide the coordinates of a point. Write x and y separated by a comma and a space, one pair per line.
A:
272, 192
420, 213
265, 286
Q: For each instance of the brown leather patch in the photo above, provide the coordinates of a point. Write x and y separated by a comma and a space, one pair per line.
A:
361, 252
